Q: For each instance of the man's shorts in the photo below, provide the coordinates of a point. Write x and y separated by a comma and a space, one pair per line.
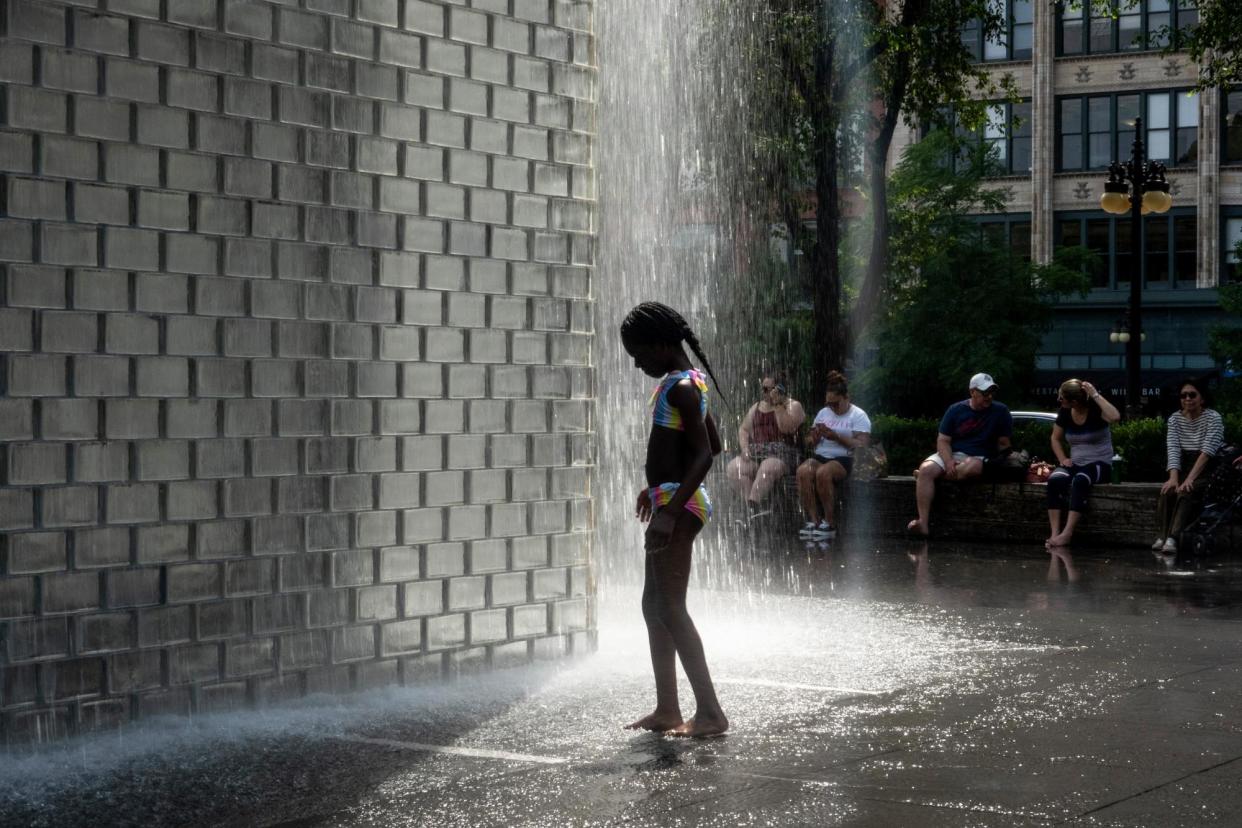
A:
958, 457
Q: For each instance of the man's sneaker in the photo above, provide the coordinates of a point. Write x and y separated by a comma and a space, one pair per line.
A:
1170, 545
807, 529
823, 531
1158, 545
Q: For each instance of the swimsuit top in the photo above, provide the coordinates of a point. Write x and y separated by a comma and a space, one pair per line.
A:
663, 413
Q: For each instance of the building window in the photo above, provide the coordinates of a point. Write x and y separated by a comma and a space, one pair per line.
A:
1011, 232
1231, 236
1232, 130
1131, 25
1169, 248
1006, 133
1095, 130
1014, 43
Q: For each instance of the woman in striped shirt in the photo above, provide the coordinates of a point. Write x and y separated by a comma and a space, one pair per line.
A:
1195, 436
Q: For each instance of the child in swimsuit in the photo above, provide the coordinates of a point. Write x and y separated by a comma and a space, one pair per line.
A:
679, 454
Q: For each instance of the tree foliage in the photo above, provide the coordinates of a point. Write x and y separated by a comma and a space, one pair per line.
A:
1225, 344
1215, 44
827, 83
959, 303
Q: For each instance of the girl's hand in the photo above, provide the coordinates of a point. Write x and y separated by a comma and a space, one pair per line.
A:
1186, 485
1169, 485
660, 530
642, 510
1089, 388
1067, 462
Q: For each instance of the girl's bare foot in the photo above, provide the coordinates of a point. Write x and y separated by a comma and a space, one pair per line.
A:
1059, 539
658, 720
917, 529
701, 727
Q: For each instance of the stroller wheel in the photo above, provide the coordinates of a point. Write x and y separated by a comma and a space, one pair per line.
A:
1196, 545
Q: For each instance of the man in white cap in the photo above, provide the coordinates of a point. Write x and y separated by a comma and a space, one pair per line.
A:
971, 431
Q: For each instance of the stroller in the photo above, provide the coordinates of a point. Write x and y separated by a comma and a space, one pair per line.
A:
1217, 527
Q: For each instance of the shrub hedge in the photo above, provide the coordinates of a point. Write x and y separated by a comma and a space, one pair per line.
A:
1140, 442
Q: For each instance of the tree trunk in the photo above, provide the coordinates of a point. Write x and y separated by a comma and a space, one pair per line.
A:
870, 291
829, 331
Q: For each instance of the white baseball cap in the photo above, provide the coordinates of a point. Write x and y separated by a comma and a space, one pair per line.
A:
982, 382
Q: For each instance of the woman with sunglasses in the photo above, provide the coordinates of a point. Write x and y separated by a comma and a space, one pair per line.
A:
768, 442
1194, 437
1084, 422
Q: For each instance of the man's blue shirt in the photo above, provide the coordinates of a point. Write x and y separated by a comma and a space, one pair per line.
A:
976, 432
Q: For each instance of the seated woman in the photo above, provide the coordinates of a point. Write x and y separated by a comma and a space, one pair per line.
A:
1083, 422
1195, 435
767, 440
839, 427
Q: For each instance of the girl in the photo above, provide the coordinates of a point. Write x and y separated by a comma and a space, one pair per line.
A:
679, 454
839, 428
1084, 422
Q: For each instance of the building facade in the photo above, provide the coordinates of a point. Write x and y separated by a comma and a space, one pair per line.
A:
1082, 82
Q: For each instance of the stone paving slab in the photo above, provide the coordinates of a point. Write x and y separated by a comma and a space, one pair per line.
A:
895, 707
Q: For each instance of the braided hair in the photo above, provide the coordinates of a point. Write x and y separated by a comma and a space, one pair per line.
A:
654, 323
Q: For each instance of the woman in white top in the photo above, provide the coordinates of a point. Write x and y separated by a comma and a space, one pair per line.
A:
839, 427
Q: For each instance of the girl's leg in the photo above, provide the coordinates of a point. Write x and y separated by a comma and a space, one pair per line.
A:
1058, 483
741, 473
667, 713
806, 490
826, 477
1080, 488
1165, 506
1189, 505
671, 568
770, 471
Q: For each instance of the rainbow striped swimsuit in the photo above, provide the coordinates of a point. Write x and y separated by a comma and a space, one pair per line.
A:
699, 504
663, 413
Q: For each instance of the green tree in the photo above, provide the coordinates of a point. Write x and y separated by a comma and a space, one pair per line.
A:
959, 302
827, 85
1215, 44
1225, 344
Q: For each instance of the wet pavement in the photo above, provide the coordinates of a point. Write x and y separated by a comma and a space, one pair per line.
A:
875, 683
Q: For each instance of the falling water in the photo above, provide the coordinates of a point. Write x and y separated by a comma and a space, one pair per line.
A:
664, 235
676, 225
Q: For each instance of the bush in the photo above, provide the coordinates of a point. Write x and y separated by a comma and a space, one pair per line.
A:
1141, 442
906, 442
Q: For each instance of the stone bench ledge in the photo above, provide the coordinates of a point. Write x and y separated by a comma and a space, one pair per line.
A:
1121, 514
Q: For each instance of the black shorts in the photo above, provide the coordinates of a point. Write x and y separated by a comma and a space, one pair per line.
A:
847, 462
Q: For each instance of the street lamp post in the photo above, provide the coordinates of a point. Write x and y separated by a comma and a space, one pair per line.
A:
1137, 186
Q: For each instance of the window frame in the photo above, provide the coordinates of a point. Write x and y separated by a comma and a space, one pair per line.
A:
980, 137
979, 46
1008, 221
1114, 284
1145, 32
1120, 153
1228, 213
1225, 95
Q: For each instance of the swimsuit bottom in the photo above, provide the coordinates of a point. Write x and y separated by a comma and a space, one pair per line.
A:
699, 504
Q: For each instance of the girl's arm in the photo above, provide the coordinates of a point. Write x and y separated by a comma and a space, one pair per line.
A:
1058, 447
743, 431
713, 436
789, 418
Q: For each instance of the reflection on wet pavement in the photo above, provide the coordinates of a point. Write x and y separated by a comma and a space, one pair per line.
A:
867, 684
